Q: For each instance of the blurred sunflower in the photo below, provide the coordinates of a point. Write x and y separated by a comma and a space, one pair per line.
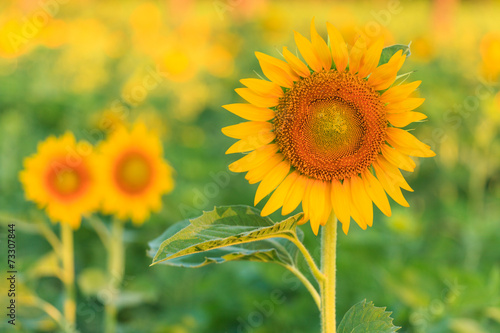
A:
320, 134
490, 53
12, 42
134, 174
61, 180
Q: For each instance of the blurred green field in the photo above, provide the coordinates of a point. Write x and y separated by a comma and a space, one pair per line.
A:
435, 265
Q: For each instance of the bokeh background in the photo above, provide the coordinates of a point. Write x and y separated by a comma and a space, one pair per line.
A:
80, 65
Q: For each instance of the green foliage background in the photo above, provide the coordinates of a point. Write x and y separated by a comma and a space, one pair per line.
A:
435, 265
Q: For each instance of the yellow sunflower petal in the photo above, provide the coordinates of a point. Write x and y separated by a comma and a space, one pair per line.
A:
405, 118
295, 63
306, 49
318, 206
356, 54
362, 200
345, 227
376, 192
339, 48
321, 48
256, 99
390, 186
393, 172
258, 173
340, 202
263, 87
398, 93
295, 195
398, 159
250, 112
405, 105
328, 204
356, 216
278, 197
409, 144
383, 76
371, 58
306, 204
315, 227
254, 159
272, 180
424, 152
251, 142
276, 70
303, 220
242, 130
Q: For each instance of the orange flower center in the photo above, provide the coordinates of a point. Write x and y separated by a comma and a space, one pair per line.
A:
67, 182
330, 125
133, 173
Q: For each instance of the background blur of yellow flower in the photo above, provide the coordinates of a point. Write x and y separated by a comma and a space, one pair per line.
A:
490, 52
422, 48
108, 120
54, 35
61, 177
12, 42
190, 99
153, 120
89, 47
133, 173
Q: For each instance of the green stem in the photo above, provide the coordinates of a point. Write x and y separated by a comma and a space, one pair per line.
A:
328, 254
116, 266
101, 230
68, 271
50, 310
309, 259
42, 228
307, 284
50, 236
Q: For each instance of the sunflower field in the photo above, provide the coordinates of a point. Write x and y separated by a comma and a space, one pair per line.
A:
357, 139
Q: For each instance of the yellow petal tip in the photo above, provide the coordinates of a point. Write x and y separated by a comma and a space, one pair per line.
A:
265, 213
315, 229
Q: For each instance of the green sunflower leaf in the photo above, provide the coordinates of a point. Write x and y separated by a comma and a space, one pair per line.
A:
276, 250
227, 234
389, 51
365, 317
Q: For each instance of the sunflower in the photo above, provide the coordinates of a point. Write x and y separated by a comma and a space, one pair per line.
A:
134, 174
61, 177
327, 134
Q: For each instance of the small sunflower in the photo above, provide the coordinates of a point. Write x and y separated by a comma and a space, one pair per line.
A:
61, 180
327, 134
134, 174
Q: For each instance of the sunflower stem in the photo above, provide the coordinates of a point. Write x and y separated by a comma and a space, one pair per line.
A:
307, 284
101, 230
68, 271
328, 262
309, 260
42, 228
50, 310
50, 236
116, 261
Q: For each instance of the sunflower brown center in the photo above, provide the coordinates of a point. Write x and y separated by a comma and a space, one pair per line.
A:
133, 173
330, 125
66, 182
